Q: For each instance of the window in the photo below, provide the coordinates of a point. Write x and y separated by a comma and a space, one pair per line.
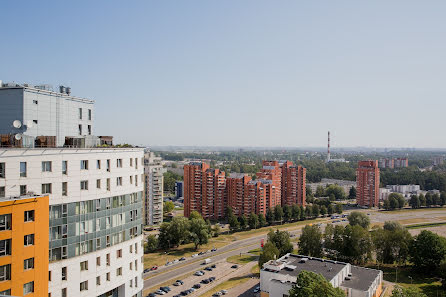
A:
5, 247
119, 163
35, 121
136, 163
84, 265
22, 190
98, 261
136, 246
108, 184
64, 273
98, 243
2, 170
5, 272
89, 129
64, 292
136, 265
2, 192
119, 181
80, 129
136, 281
5, 222
28, 239
131, 179
84, 184
49, 275
108, 203
119, 253
64, 189
98, 280
22, 169
28, 288
84, 164
131, 283
84, 286
80, 113
98, 164
133, 215
108, 165
98, 204
131, 248
131, 265
65, 167
131, 162
46, 188
136, 180
119, 271
29, 216
28, 264
6, 292
98, 183
46, 166
89, 114
35, 102
107, 276
107, 259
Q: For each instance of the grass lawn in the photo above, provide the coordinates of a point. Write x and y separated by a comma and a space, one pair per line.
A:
243, 259
256, 252
415, 209
230, 283
256, 270
417, 226
414, 221
424, 283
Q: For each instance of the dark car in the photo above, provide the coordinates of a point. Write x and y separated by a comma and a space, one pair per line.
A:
165, 289
180, 281
205, 281
213, 266
184, 293
213, 250
201, 253
208, 268
212, 278
151, 295
177, 295
146, 270
182, 259
197, 286
234, 266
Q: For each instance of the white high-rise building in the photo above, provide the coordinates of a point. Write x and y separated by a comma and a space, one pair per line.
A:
95, 218
153, 200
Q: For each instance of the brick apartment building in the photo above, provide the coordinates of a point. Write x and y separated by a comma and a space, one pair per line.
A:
367, 183
209, 192
394, 163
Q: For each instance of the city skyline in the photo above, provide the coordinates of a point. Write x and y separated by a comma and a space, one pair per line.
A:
371, 73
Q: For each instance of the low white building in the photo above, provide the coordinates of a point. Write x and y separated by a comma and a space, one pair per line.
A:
277, 277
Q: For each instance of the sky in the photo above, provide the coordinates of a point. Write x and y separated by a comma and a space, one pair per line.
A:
240, 72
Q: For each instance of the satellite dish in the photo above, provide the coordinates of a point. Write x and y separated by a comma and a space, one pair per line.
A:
18, 136
29, 124
17, 124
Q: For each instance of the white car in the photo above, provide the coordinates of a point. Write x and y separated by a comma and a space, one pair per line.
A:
198, 273
175, 261
224, 292
160, 292
194, 255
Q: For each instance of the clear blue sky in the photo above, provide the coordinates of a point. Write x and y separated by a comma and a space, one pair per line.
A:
241, 73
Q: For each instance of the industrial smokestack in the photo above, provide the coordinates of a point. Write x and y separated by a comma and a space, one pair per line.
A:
328, 148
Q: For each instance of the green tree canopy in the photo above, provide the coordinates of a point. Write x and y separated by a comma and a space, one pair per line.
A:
427, 251
253, 221
151, 244
269, 252
359, 218
352, 193
199, 232
281, 240
168, 206
310, 284
335, 190
310, 241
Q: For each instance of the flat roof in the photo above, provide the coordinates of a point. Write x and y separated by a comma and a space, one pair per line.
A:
236, 175
361, 278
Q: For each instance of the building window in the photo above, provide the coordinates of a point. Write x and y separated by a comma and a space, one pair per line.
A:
98, 183
46, 166
64, 189
108, 184
35, 121
131, 179
84, 184
22, 169
98, 261
2, 192
107, 203
28, 288
107, 259
5, 292
136, 163
136, 180
131, 283
5, 247
84, 286
89, 129
65, 167
64, 292
131, 265
107, 276
28, 264
119, 253
22, 190
119, 163
84, 265
108, 165
46, 188
64, 273
98, 280
28, 239
131, 162
5, 272
5, 222
2, 170
84, 164
98, 164
80, 113
98, 243
131, 248
29, 216
49, 275
80, 129
119, 181
119, 271
89, 114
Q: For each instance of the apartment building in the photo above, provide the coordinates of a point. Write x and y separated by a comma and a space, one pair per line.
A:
42, 111
293, 184
401, 162
24, 246
193, 186
271, 170
95, 215
367, 184
394, 163
153, 198
236, 187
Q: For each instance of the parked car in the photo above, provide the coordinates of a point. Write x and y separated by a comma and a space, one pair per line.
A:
165, 289
212, 278
146, 270
184, 293
197, 286
180, 281
198, 273
213, 265
175, 261
224, 292
214, 250
205, 281
208, 268
160, 292
178, 295
182, 259
194, 255
234, 266
154, 268
151, 295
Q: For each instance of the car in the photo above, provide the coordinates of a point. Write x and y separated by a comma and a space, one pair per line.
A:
234, 266
175, 261
154, 268
194, 255
214, 250
151, 295
344, 220
212, 278
198, 273
178, 295
184, 293
191, 290
182, 259
201, 253
179, 281
165, 289
368, 214
256, 290
224, 292
208, 268
160, 292
219, 293
197, 286
205, 281
213, 266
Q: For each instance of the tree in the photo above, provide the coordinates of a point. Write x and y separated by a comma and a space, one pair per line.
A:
310, 241
216, 230
357, 244
278, 213
168, 207
269, 252
330, 209
302, 212
436, 200
320, 192
281, 240
359, 218
339, 208
391, 243
336, 190
195, 215
323, 210
234, 224
164, 236
307, 212
243, 222
229, 213
310, 284
443, 198
414, 201
406, 292
270, 216
151, 244
199, 232
253, 221
295, 212
422, 199
315, 211
179, 230
287, 213
428, 199
169, 179
352, 193
427, 250
262, 220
